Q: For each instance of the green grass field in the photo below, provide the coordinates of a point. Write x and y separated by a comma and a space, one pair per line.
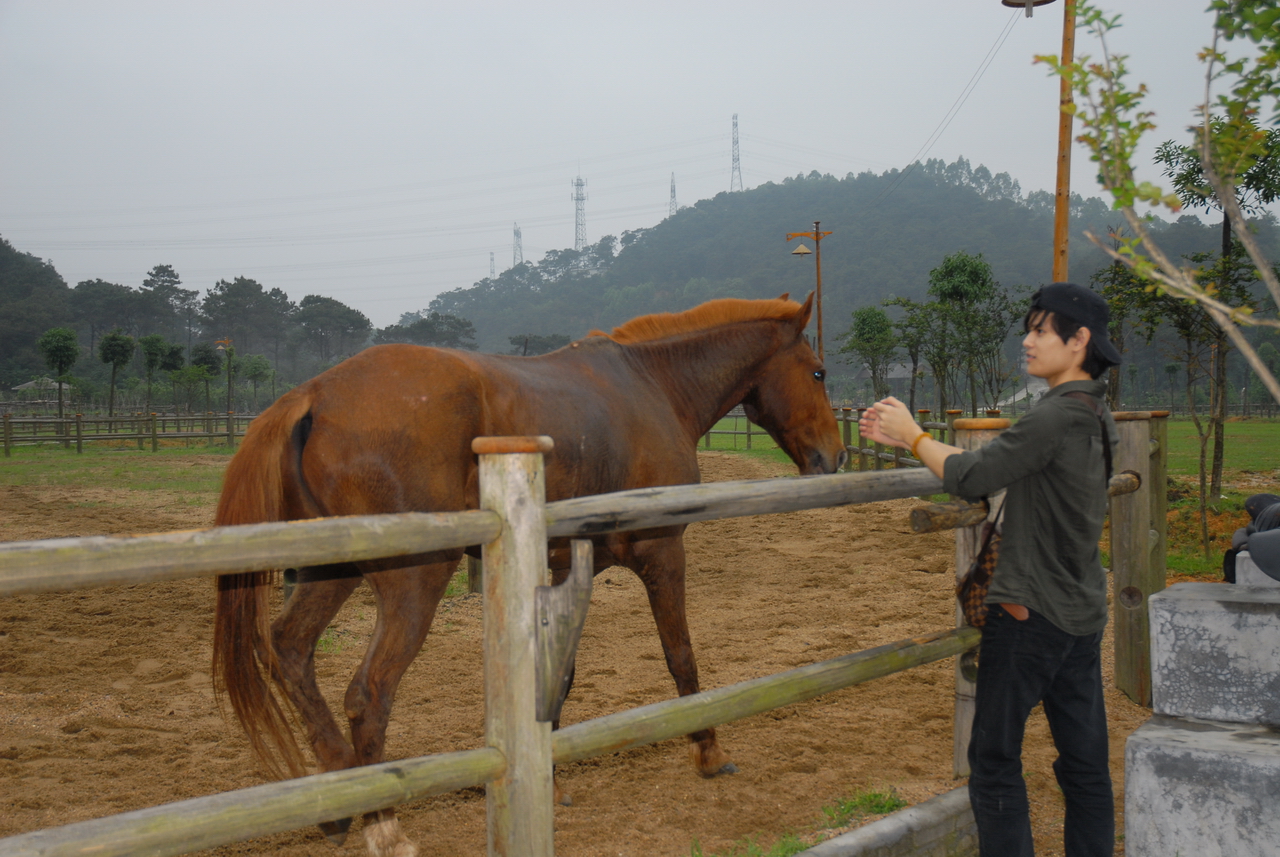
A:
176, 469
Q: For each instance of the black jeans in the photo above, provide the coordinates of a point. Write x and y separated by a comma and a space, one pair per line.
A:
1019, 665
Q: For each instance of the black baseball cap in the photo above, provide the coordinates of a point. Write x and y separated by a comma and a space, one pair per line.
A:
1083, 305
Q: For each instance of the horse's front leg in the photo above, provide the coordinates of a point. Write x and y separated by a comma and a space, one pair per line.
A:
660, 564
407, 599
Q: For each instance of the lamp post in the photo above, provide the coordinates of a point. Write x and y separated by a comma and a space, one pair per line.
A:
224, 345
803, 251
1062, 193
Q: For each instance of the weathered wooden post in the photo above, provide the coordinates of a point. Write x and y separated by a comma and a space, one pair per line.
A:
8, 434
847, 435
748, 433
139, 427
155, 438
519, 803
231, 429
79, 434
951, 417
475, 574
862, 458
1137, 547
969, 434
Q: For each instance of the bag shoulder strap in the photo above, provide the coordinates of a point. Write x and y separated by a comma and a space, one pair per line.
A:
1098, 411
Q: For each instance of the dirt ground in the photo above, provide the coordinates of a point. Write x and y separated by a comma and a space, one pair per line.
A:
106, 704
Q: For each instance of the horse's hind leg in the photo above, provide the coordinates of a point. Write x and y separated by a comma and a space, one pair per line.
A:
407, 599
661, 567
316, 599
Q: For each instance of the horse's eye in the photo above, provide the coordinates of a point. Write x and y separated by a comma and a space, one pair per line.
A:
820, 374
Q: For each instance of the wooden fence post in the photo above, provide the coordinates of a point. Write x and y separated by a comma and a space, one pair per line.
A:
950, 435
862, 458
969, 434
519, 803
847, 435
231, 429
155, 439
1137, 570
8, 434
475, 574
79, 434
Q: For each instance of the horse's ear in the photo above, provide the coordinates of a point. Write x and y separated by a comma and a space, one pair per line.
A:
802, 318
784, 296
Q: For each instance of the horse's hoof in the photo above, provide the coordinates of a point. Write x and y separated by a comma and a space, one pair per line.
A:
726, 768
561, 797
336, 831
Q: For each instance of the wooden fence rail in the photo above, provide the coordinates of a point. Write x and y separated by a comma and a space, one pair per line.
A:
32, 431
221, 819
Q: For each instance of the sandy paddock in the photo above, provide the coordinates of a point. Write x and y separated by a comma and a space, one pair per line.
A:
106, 706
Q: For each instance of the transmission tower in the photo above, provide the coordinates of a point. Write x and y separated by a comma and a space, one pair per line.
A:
517, 247
579, 214
493, 272
735, 176
673, 194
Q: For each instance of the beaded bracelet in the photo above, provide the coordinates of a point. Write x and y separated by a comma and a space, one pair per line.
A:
916, 443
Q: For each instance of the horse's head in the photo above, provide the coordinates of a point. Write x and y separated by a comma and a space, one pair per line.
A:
788, 399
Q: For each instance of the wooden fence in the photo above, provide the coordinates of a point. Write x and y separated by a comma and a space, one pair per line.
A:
513, 526
142, 428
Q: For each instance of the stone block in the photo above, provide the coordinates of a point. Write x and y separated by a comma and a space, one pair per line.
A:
942, 826
1248, 573
1215, 652
1202, 789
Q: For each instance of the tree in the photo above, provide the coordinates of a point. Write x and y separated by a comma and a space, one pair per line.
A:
173, 309
1229, 146
208, 358
964, 284
101, 306
60, 350
872, 339
912, 330
116, 350
158, 353
330, 326
256, 368
531, 344
430, 328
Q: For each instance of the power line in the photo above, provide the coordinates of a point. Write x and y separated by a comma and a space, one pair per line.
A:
951, 114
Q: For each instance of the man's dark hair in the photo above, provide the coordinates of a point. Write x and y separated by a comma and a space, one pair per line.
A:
1094, 363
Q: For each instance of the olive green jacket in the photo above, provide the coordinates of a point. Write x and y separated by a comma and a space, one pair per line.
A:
1052, 464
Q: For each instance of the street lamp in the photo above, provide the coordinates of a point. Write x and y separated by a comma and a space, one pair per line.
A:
1062, 194
224, 345
803, 251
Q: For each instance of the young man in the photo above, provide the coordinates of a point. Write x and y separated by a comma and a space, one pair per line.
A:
1048, 596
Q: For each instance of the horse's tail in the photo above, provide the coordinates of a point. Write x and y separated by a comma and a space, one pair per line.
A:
254, 491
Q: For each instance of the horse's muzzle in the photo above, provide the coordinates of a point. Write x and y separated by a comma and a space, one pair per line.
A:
819, 462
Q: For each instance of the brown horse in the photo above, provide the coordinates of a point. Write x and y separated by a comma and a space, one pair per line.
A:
390, 430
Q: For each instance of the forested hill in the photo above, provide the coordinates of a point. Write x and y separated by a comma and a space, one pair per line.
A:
888, 232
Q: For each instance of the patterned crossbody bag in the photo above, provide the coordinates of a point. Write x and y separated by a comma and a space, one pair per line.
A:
972, 588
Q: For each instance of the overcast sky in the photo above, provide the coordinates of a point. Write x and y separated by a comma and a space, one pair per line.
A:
378, 152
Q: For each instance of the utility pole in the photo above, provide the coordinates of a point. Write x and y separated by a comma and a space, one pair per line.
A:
579, 214
673, 196
493, 271
517, 247
735, 174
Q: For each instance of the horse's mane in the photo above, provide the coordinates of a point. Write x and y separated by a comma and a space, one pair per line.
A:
714, 313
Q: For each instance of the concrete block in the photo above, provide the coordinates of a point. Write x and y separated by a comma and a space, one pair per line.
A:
1248, 573
1202, 789
1215, 652
942, 826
